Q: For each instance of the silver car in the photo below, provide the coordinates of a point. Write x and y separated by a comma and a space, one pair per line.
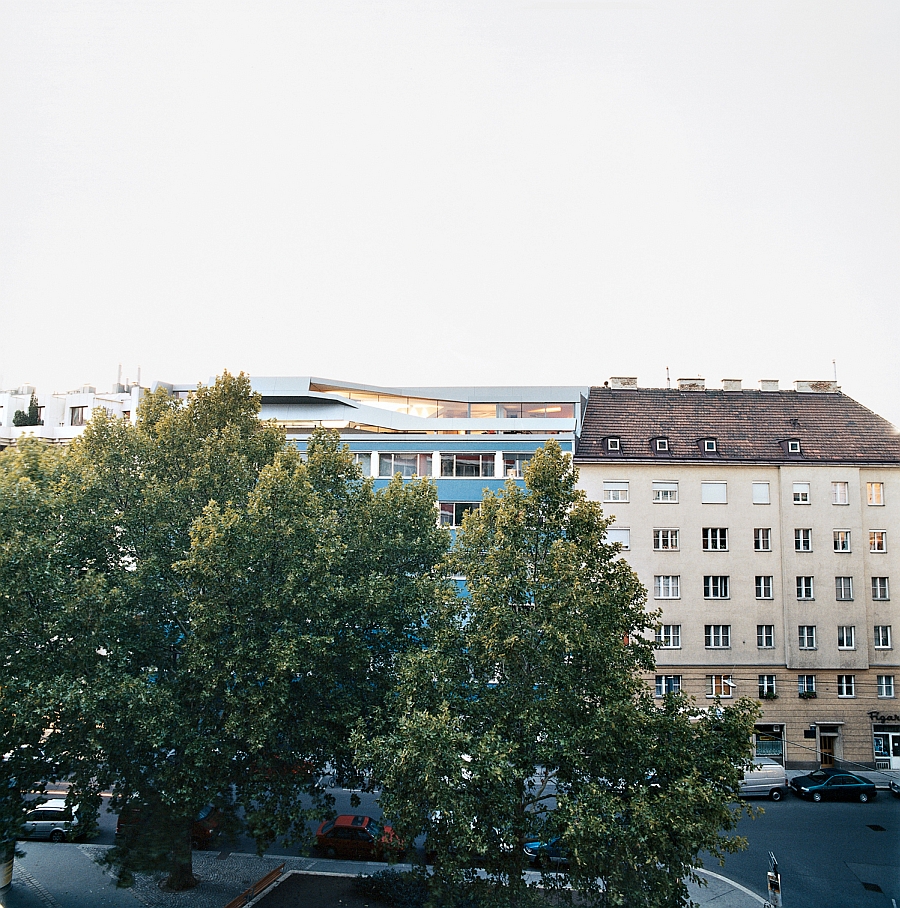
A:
52, 820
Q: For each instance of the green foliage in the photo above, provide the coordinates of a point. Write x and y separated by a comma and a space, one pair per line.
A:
526, 714
32, 417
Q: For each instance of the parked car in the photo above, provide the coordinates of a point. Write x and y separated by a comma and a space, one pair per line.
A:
833, 785
357, 838
204, 830
894, 787
766, 779
552, 853
52, 820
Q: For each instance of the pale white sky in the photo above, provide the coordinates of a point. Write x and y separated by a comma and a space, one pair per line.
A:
485, 192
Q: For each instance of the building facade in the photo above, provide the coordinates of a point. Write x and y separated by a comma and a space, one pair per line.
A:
765, 525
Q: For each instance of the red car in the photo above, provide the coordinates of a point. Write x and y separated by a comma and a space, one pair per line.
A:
357, 838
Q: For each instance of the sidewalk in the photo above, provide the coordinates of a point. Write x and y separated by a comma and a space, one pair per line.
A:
67, 876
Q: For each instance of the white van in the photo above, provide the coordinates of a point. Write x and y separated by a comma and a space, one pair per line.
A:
765, 779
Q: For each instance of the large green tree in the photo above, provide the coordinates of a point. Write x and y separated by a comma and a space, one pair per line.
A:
526, 713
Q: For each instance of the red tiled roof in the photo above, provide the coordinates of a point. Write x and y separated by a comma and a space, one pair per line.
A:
748, 425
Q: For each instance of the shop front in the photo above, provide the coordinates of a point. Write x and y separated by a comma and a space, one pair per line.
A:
886, 740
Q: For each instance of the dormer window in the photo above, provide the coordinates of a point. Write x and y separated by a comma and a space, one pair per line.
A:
793, 446
613, 444
709, 445
662, 444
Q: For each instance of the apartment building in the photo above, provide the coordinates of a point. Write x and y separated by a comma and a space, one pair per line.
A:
765, 525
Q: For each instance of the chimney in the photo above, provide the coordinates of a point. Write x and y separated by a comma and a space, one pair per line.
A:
731, 384
691, 384
768, 384
816, 387
623, 383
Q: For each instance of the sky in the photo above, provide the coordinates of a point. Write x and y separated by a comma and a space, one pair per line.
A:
451, 193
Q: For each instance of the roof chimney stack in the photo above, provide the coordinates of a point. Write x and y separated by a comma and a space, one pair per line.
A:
691, 384
768, 384
623, 383
731, 384
816, 387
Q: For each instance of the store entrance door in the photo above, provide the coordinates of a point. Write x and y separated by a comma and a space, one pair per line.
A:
887, 749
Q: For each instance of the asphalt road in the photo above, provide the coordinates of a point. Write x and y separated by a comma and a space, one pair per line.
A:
830, 855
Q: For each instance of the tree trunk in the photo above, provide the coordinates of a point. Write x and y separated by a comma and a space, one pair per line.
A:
181, 873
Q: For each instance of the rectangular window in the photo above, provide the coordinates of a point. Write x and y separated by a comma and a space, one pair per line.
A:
713, 492
669, 636
760, 493
716, 587
667, 586
764, 587
621, 536
766, 686
364, 461
715, 539
665, 492
514, 464
840, 493
803, 540
765, 636
77, 417
805, 588
717, 636
806, 684
665, 540
719, 686
806, 634
615, 491
762, 539
882, 636
877, 541
843, 589
662, 444
452, 512
667, 684
885, 685
467, 466
875, 493
407, 465
846, 636
842, 540
880, 589
801, 493
846, 685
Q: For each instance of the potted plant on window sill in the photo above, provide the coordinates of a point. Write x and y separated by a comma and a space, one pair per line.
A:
769, 695
807, 695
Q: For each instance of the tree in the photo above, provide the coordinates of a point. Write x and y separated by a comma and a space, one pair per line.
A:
32, 417
525, 713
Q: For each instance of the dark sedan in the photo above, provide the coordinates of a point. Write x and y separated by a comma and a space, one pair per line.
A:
833, 785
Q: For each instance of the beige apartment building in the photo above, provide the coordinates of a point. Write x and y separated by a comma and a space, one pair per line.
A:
765, 525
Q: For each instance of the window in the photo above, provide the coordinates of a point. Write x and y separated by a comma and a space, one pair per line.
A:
364, 461
875, 493
762, 539
621, 536
793, 446
806, 684
77, 416
407, 465
877, 541
719, 686
709, 445
765, 636
452, 512
665, 492
715, 539
882, 636
717, 636
846, 636
715, 587
880, 588
713, 492
613, 444
764, 587
467, 465
761, 493
885, 685
669, 636
843, 589
665, 540
840, 493
805, 588
842, 540
667, 684
846, 685
807, 636
615, 491
766, 686
667, 586
801, 493
662, 444
803, 540
514, 464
